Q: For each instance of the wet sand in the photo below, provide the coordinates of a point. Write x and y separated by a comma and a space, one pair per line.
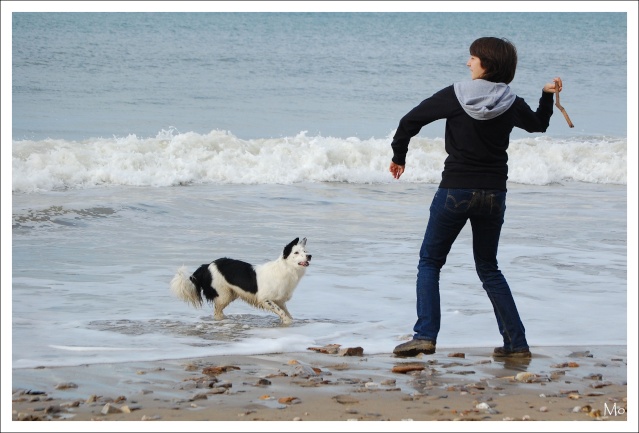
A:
558, 384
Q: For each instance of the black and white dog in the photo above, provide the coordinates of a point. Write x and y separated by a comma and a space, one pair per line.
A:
268, 286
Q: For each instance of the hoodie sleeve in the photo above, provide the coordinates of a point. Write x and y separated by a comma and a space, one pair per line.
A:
438, 106
534, 121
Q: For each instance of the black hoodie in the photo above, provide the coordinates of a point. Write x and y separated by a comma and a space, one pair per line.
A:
480, 116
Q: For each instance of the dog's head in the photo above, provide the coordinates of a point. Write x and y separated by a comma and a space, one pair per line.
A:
296, 253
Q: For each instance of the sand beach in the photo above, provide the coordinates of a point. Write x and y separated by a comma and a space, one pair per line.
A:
333, 383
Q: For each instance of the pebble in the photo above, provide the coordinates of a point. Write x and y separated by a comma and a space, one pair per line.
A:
67, 385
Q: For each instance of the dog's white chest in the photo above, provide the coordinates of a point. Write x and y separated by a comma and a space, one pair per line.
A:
277, 281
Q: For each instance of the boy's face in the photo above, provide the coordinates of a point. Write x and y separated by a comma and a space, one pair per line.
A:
476, 70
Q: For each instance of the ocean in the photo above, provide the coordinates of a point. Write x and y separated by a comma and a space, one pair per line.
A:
141, 142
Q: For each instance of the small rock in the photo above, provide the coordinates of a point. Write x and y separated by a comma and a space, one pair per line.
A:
217, 390
305, 371
345, 399
214, 371
405, 368
206, 383
109, 408
352, 351
565, 364
27, 417
129, 409
598, 385
186, 385
289, 400
52, 409
329, 348
584, 354
67, 385
524, 376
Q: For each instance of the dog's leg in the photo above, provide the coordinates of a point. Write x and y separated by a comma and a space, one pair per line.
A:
282, 305
218, 314
270, 305
220, 303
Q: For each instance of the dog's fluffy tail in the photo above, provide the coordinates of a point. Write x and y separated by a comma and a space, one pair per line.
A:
183, 288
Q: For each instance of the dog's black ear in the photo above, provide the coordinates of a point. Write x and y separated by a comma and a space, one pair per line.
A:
289, 247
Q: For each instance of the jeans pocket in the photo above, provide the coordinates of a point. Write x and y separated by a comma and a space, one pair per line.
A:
497, 203
460, 200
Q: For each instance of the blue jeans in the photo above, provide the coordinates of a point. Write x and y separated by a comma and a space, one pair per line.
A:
449, 211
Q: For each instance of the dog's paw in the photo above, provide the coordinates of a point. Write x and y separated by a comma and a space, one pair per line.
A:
286, 321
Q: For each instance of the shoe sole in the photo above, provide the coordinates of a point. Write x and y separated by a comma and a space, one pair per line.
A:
513, 355
413, 352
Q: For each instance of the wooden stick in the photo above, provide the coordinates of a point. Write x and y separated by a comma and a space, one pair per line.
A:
563, 111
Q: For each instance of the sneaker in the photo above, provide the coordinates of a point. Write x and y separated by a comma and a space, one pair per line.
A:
502, 352
414, 347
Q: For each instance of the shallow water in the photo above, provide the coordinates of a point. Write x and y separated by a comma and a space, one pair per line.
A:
94, 265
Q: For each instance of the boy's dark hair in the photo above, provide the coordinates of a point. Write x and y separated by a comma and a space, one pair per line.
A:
498, 57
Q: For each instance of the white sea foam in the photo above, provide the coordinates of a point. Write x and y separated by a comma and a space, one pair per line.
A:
219, 157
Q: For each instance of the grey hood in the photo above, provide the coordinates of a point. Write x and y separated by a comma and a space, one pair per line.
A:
484, 100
